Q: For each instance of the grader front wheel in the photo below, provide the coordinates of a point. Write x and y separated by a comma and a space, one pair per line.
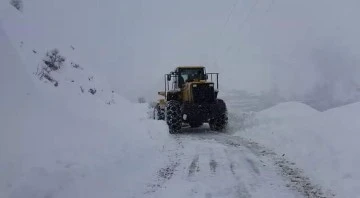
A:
173, 116
158, 114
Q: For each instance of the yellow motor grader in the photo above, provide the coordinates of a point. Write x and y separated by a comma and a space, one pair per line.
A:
191, 97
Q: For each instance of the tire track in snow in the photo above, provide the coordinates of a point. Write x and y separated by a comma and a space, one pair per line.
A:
194, 166
212, 163
232, 169
166, 173
162, 176
217, 165
208, 195
241, 189
295, 177
253, 166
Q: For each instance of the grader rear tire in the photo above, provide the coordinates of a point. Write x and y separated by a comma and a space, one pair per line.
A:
220, 121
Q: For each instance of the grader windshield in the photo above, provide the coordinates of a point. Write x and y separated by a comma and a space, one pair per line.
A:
190, 74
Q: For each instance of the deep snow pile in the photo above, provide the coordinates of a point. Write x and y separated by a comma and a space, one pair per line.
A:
55, 142
324, 145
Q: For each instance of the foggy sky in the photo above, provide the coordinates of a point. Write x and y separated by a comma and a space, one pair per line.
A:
273, 44
285, 44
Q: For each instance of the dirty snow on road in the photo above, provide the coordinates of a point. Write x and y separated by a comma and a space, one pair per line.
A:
207, 164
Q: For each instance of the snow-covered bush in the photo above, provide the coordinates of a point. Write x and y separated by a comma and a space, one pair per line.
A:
92, 91
53, 61
76, 66
18, 4
141, 100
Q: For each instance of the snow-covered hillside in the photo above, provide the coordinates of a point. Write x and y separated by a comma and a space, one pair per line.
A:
323, 144
74, 74
60, 142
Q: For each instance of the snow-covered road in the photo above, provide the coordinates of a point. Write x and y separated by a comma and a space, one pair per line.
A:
208, 164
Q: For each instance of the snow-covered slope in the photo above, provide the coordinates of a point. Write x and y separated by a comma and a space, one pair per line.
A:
76, 74
59, 142
15, 107
324, 144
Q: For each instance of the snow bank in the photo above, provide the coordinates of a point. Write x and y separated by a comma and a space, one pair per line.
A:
289, 109
323, 144
57, 142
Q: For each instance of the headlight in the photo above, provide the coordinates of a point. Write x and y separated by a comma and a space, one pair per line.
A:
194, 85
211, 85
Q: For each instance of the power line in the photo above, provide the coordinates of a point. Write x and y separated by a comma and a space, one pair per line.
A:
230, 13
241, 25
270, 6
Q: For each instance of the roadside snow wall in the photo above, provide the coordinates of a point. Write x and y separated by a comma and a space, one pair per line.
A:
325, 145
